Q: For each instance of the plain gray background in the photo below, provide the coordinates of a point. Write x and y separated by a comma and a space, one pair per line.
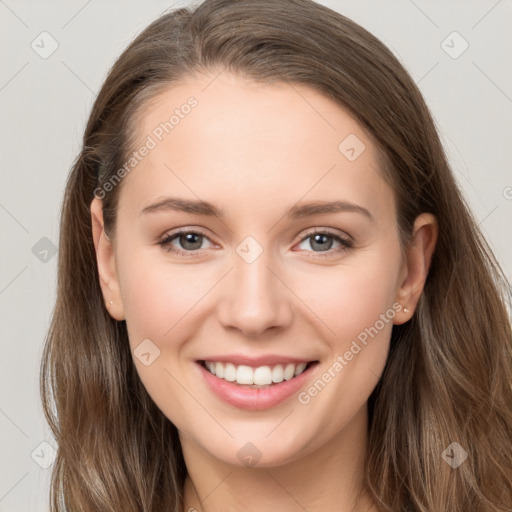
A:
45, 103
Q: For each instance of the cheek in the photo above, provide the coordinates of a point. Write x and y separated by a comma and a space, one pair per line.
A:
160, 301
355, 307
156, 298
350, 297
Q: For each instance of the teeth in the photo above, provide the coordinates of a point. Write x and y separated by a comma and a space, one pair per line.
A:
277, 373
230, 372
219, 370
289, 371
300, 368
244, 374
260, 376
263, 375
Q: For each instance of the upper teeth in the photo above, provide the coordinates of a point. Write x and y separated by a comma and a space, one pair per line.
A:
260, 376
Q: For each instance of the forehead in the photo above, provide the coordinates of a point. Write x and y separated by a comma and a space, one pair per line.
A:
213, 137
228, 108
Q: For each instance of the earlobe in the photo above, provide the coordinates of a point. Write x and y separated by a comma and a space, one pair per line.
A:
105, 258
417, 265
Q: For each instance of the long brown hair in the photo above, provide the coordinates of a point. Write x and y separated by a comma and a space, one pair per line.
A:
448, 375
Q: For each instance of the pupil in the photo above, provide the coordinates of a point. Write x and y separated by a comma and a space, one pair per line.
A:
189, 239
321, 240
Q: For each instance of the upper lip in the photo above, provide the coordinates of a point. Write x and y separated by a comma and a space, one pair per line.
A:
265, 360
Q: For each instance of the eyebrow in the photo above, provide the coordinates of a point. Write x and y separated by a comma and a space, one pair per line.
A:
199, 207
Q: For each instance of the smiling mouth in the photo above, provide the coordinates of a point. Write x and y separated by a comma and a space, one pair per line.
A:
256, 377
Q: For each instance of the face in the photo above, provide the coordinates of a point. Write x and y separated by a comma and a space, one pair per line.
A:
266, 280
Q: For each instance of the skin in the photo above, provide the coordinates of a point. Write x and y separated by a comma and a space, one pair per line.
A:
255, 150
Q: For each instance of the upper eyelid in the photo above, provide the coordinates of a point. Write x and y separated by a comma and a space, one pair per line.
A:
169, 235
310, 232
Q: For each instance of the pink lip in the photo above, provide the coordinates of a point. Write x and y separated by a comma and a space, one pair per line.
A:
254, 362
252, 398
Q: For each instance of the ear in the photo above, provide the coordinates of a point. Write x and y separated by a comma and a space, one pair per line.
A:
105, 257
416, 265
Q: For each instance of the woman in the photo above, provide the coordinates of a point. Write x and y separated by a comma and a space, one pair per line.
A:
336, 336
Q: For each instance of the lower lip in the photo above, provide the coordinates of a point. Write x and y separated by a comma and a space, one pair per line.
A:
255, 399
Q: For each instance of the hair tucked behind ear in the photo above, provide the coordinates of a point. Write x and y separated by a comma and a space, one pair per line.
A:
448, 376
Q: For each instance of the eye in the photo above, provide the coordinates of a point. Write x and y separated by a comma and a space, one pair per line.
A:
192, 241
189, 240
323, 241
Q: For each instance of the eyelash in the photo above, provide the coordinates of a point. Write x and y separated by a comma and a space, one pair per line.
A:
346, 243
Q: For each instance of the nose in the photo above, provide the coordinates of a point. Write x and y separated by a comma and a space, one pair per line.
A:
255, 298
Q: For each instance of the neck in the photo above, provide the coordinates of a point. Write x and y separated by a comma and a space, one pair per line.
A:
327, 479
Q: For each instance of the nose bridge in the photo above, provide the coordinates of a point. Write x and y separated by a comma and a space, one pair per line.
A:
256, 299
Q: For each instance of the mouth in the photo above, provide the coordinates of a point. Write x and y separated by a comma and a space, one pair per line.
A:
251, 385
259, 377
